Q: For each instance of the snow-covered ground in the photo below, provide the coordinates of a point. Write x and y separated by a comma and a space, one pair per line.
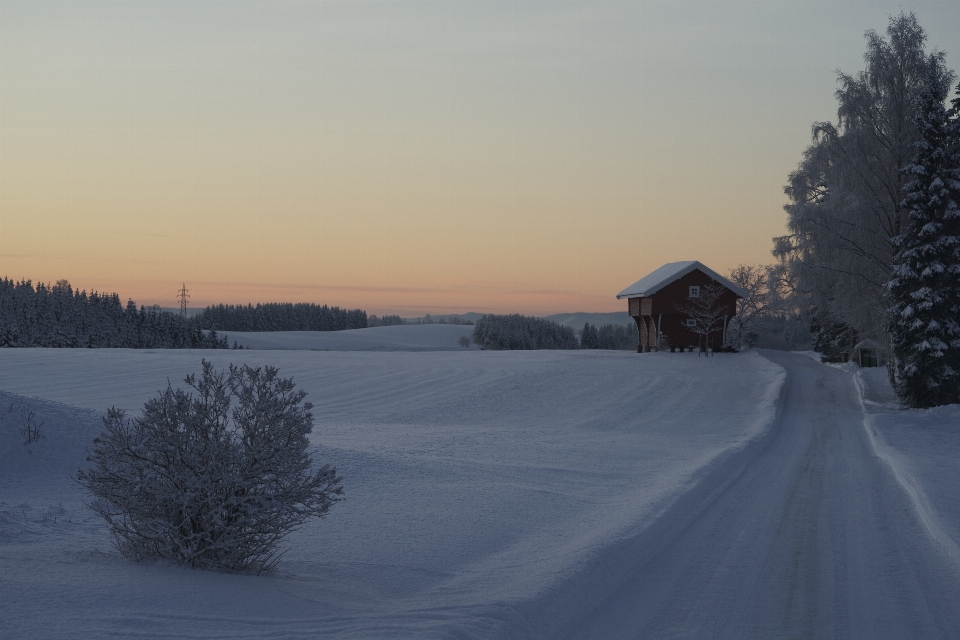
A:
474, 482
805, 533
923, 448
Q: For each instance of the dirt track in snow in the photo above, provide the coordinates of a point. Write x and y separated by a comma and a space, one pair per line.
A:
804, 534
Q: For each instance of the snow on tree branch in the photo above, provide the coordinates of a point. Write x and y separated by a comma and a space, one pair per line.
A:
213, 479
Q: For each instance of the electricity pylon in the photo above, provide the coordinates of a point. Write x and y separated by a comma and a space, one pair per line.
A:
183, 295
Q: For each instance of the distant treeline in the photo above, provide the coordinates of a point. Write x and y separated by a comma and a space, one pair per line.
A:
522, 332
385, 321
428, 319
389, 321
58, 316
303, 316
609, 336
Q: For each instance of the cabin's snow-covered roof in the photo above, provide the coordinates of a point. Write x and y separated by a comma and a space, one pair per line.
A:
869, 343
671, 272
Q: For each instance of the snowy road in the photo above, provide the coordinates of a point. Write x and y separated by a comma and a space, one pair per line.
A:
804, 534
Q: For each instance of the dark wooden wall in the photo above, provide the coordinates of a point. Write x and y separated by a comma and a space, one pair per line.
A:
662, 308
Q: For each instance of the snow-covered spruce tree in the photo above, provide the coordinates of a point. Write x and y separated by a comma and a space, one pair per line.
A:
831, 336
617, 336
589, 337
197, 481
925, 287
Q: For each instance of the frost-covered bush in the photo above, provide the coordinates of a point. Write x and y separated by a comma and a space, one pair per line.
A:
213, 479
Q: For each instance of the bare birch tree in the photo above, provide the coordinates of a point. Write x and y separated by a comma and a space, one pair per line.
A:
754, 280
705, 312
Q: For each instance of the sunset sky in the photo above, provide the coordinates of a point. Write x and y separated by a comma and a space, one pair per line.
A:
410, 156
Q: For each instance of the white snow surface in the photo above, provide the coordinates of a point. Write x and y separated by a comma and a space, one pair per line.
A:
474, 482
805, 533
426, 337
922, 446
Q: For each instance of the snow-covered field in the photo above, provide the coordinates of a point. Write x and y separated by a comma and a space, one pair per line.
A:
474, 481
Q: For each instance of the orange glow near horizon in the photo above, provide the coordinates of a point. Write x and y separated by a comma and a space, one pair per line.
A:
404, 158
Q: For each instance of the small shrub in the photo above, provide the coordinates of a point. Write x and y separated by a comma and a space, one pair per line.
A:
197, 482
464, 341
31, 429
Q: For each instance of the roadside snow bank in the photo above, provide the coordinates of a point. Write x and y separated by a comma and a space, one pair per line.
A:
923, 448
474, 482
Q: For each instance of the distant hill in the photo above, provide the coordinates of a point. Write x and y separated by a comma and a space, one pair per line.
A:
574, 320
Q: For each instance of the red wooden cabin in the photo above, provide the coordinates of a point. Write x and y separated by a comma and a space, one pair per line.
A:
655, 301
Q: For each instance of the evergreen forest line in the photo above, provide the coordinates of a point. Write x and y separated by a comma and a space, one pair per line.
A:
58, 316
280, 316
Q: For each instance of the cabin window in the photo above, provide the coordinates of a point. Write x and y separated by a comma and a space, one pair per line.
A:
695, 291
691, 322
